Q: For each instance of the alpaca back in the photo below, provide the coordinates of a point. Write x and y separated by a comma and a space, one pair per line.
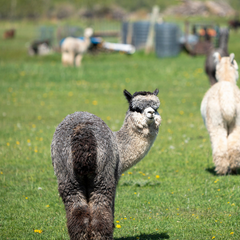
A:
83, 146
227, 100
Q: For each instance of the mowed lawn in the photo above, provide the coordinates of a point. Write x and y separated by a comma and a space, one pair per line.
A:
173, 193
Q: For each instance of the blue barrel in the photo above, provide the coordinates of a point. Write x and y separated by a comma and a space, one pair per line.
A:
124, 32
140, 34
167, 40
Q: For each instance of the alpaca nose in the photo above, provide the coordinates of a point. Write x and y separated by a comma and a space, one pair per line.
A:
149, 112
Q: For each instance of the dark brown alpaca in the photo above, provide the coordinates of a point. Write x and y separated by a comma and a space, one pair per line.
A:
89, 158
210, 65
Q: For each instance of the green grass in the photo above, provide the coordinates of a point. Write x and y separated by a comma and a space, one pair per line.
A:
187, 201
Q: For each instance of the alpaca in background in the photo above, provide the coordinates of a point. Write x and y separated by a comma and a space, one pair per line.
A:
210, 64
220, 109
89, 158
74, 48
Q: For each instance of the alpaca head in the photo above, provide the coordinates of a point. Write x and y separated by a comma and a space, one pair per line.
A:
143, 108
88, 32
226, 68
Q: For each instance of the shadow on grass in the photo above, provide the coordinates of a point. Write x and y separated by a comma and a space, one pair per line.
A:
212, 171
153, 236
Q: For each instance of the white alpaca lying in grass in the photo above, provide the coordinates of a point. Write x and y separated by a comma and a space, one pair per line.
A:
74, 48
220, 109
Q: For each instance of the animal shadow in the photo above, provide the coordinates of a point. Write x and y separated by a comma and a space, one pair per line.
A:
153, 236
212, 171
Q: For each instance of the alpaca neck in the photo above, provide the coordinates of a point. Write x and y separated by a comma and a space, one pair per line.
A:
223, 42
133, 142
86, 42
225, 75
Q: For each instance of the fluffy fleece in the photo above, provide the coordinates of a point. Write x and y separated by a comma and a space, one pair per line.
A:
220, 109
89, 158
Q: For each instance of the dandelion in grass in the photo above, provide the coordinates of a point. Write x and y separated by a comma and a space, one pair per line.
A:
108, 118
26, 198
231, 233
17, 142
213, 237
125, 218
117, 222
8, 144
218, 190
1, 172
38, 231
33, 126
233, 204
39, 117
47, 206
148, 177
70, 94
135, 193
95, 103
129, 173
157, 176
122, 174
181, 112
118, 226
35, 150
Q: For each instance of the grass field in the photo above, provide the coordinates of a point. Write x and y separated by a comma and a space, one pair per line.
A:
172, 194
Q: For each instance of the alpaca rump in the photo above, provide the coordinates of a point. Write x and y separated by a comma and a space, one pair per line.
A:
220, 109
88, 160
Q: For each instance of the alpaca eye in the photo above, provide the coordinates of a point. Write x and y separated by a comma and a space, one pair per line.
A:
138, 110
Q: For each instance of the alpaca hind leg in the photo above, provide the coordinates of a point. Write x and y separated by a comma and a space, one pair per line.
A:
234, 149
78, 214
218, 137
101, 227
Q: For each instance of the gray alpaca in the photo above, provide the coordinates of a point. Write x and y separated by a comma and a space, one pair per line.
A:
88, 159
210, 64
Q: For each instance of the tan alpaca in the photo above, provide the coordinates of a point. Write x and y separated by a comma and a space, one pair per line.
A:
74, 48
220, 109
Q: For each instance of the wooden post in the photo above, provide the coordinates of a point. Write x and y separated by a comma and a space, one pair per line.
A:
150, 40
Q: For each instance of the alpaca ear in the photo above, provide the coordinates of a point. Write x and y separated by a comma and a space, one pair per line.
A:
128, 95
231, 57
156, 92
217, 57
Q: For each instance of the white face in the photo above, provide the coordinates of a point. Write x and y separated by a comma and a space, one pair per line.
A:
88, 32
149, 113
147, 117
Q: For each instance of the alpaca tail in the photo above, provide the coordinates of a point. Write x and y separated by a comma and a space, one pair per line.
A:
227, 101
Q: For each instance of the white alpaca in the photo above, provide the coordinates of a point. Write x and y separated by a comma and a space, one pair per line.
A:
74, 48
220, 109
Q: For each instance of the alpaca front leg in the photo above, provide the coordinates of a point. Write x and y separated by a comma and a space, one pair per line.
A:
234, 149
78, 60
219, 150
